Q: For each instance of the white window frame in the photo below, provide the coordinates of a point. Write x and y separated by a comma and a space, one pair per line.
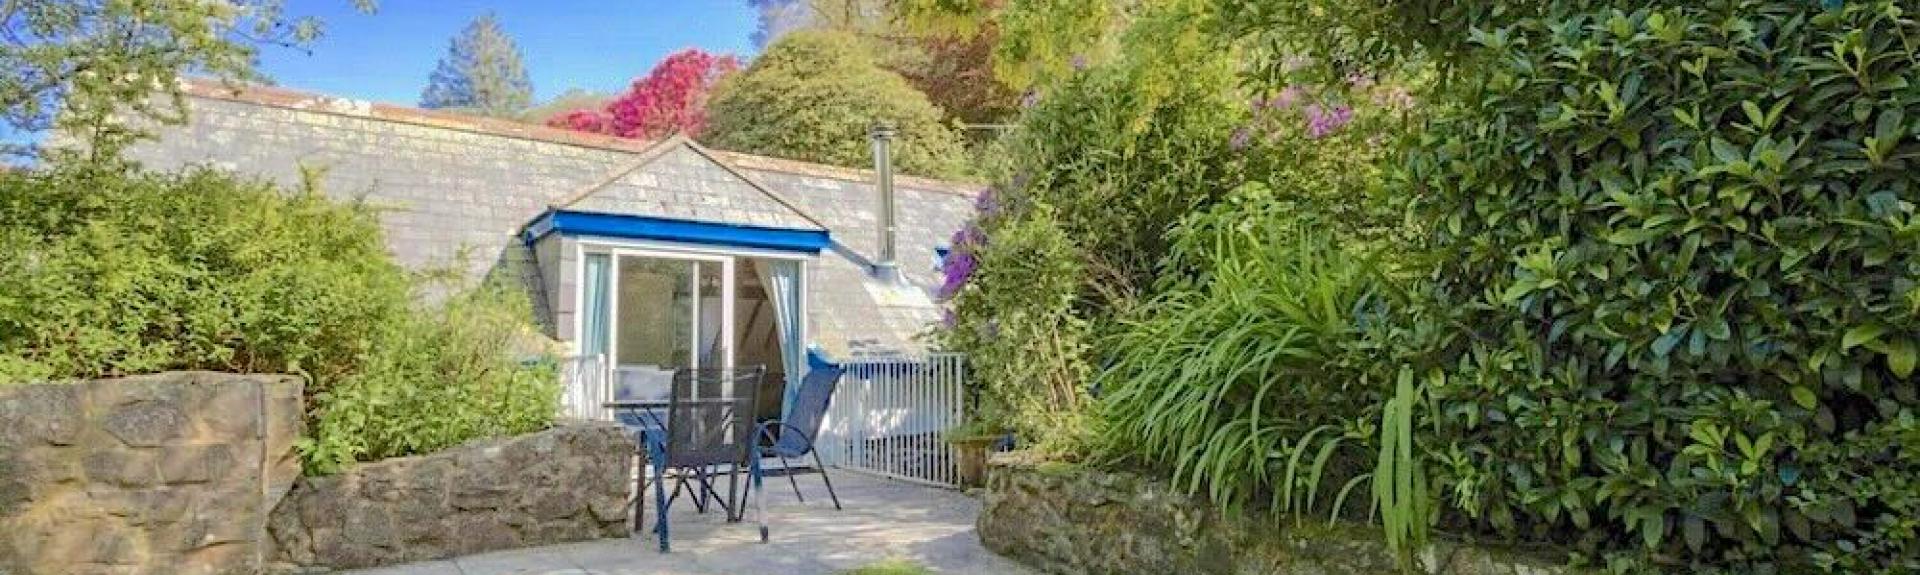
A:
727, 256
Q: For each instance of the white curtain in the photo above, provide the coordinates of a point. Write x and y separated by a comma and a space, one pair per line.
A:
594, 312
594, 385
782, 281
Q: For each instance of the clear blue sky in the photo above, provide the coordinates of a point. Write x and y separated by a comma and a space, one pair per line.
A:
600, 45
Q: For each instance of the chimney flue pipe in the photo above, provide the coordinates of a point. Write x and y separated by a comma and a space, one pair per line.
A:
886, 266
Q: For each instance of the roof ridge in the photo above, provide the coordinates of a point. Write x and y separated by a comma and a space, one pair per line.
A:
328, 104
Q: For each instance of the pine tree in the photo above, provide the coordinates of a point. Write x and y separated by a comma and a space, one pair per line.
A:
482, 72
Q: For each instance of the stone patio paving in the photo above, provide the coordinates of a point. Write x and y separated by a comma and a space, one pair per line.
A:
883, 519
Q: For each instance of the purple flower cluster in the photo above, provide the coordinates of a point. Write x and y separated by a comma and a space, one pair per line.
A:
1322, 122
960, 263
956, 270
1079, 62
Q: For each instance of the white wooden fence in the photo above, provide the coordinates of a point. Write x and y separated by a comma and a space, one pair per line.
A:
891, 418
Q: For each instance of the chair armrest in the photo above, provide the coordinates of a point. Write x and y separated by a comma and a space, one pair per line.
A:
765, 429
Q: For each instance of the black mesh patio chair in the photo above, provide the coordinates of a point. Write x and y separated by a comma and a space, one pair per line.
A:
793, 437
708, 425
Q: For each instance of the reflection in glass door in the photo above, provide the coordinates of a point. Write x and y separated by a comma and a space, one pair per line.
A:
667, 314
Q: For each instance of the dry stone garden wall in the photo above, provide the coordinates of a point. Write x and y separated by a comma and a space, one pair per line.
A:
1066, 519
568, 483
195, 473
165, 473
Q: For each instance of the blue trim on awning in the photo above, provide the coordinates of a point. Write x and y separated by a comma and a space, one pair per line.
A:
573, 223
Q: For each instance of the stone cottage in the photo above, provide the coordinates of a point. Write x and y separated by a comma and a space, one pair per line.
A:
646, 255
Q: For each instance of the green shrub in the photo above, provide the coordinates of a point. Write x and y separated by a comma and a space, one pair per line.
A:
104, 274
441, 379
1122, 151
1026, 347
1678, 284
1101, 165
105, 271
1128, 163
813, 95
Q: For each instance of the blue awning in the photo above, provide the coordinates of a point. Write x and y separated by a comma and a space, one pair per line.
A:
574, 223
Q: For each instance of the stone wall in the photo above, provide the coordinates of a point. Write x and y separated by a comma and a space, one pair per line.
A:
165, 473
569, 483
1070, 520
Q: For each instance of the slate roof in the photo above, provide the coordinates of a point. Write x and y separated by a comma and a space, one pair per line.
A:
679, 179
458, 190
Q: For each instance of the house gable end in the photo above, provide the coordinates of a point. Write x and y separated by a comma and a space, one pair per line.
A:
678, 180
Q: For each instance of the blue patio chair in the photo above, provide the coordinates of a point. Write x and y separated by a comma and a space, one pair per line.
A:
793, 437
705, 425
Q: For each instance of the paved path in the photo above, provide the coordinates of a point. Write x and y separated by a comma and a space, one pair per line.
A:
883, 519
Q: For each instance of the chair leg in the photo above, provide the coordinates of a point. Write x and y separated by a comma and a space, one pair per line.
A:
640, 493
787, 469
735, 512
660, 497
759, 489
827, 480
701, 489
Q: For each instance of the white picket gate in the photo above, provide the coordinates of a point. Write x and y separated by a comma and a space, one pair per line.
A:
890, 418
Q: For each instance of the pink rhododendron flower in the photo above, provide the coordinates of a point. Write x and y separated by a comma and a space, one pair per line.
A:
671, 98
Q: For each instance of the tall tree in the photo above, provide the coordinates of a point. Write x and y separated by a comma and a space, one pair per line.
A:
813, 95
77, 65
1037, 40
671, 98
951, 64
482, 72
778, 17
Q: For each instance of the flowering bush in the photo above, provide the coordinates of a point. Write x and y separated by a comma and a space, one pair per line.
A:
672, 98
1106, 166
1013, 312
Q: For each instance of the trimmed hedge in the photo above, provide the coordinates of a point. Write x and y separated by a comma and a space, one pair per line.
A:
1677, 284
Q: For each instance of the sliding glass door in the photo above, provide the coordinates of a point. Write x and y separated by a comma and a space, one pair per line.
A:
668, 311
